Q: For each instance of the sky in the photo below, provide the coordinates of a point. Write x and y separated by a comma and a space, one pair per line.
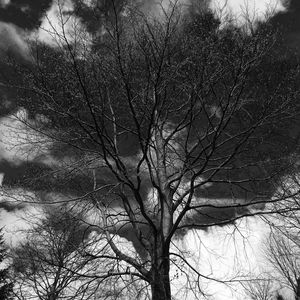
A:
19, 20
23, 20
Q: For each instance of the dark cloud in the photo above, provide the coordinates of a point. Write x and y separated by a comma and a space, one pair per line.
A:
288, 24
37, 177
24, 13
13, 41
11, 206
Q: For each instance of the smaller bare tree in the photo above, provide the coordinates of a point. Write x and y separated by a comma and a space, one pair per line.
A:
48, 265
65, 257
6, 285
262, 289
283, 247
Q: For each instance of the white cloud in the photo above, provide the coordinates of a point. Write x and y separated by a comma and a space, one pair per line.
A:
233, 252
60, 26
17, 220
12, 222
243, 11
90, 3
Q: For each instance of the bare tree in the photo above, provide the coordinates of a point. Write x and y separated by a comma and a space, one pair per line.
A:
6, 284
47, 263
282, 250
57, 259
260, 289
160, 126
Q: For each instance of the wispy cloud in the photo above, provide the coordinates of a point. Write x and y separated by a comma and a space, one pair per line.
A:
13, 39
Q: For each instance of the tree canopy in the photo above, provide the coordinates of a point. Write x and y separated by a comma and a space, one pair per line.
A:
158, 126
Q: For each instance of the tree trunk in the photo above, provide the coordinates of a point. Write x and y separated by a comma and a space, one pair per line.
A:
160, 285
298, 289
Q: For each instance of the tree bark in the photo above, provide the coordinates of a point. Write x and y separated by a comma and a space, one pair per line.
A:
160, 286
298, 289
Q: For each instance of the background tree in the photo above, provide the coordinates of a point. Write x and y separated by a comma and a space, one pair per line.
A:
6, 284
282, 250
49, 264
57, 260
260, 289
158, 127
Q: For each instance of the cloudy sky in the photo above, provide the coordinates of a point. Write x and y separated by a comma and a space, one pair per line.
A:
24, 20
20, 18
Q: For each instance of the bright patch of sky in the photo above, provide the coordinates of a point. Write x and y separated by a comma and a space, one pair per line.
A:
60, 26
19, 142
245, 11
230, 253
16, 221
4, 3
